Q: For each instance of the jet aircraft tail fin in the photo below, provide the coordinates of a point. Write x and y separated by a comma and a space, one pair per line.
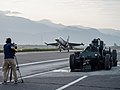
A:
68, 39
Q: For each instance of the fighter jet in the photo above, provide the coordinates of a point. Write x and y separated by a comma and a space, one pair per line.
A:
64, 45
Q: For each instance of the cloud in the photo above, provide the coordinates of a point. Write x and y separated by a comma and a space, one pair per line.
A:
9, 12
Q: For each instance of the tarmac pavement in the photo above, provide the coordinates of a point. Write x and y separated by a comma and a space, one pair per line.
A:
61, 78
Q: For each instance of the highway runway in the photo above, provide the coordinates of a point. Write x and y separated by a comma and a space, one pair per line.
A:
50, 71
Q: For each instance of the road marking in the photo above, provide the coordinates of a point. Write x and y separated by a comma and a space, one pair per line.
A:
37, 52
33, 75
66, 69
71, 83
46, 61
29, 76
53, 60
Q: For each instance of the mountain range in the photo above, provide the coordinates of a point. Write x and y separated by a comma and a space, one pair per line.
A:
25, 31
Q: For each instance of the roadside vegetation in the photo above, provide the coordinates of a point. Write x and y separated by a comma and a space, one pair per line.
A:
34, 50
1, 51
39, 49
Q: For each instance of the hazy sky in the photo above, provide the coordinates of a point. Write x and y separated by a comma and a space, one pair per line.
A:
90, 13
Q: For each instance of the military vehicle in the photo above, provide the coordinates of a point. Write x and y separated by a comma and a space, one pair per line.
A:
95, 56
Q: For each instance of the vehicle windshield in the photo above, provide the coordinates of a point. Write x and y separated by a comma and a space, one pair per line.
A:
91, 49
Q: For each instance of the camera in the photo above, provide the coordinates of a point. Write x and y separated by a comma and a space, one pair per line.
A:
15, 45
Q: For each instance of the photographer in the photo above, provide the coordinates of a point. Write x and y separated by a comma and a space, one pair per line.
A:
9, 53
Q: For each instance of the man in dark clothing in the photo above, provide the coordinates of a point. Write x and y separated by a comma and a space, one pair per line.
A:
9, 53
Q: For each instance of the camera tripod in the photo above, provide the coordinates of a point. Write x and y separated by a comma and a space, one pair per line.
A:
17, 68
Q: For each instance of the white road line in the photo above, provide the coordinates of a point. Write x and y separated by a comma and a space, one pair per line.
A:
71, 83
36, 74
33, 75
37, 52
46, 61
29, 76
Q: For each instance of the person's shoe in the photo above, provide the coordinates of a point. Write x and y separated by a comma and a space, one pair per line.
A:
15, 82
4, 82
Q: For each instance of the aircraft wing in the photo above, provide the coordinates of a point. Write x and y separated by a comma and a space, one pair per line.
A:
75, 44
52, 44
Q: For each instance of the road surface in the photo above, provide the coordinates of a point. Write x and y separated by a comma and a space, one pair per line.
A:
50, 71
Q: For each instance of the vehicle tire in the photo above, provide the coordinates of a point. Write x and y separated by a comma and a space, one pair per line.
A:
72, 62
115, 64
107, 62
83, 69
114, 56
68, 50
60, 50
